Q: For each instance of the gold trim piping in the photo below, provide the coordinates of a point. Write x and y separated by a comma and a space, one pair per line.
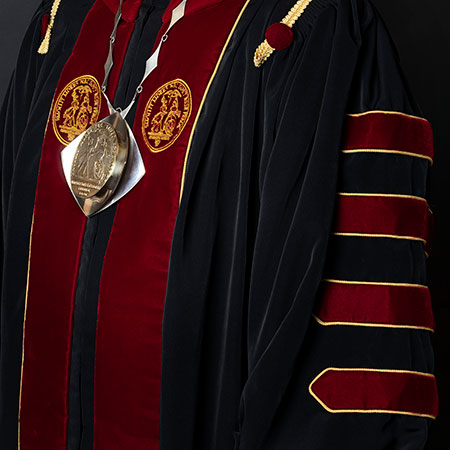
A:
367, 194
380, 111
26, 294
23, 331
369, 325
381, 150
365, 411
264, 50
388, 236
375, 283
205, 94
45, 44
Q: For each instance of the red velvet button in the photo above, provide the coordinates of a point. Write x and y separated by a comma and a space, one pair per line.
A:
279, 36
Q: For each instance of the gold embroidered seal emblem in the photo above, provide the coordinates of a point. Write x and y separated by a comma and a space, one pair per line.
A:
166, 114
76, 108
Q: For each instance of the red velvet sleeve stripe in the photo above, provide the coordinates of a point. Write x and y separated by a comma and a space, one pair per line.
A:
375, 305
389, 132
376, 391
382, 215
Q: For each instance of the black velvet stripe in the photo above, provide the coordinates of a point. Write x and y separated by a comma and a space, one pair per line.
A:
80, 317
81, 406
383, 173
376, 259
372, 347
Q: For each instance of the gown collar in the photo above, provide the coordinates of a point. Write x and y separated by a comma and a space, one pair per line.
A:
191, 6
130, 8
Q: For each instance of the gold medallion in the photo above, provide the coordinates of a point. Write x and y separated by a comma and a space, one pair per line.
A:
166, 114
77, 107
94, 160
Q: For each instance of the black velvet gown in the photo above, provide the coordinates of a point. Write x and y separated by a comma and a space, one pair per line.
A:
295, 313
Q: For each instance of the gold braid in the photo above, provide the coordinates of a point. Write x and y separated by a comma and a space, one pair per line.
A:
45, 44
264, 50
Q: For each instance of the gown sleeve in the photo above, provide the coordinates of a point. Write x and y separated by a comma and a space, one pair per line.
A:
15, 110
339, 317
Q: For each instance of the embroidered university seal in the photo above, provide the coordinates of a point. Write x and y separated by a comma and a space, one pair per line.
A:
76, 108
166, 114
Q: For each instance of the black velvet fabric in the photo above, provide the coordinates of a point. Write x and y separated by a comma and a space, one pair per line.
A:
389, 260
402, 176
251, 243
252, 238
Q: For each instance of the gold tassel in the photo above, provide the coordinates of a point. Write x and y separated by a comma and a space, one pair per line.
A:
45, 44
264, 50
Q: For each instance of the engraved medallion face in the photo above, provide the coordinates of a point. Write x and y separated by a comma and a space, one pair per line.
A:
77, 107
94, 160
166, 114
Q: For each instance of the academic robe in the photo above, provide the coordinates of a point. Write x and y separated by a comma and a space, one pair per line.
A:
263, 287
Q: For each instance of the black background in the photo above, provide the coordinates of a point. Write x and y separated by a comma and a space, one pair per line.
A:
421, 31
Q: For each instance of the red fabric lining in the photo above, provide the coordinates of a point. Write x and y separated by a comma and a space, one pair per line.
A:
379, 130
362, 390
56, 245
375, 214
393, 305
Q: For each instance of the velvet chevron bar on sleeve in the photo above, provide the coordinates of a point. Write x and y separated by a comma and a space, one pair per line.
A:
376, 391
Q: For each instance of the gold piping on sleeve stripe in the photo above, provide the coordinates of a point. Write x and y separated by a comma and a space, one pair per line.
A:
23, 331
367, 411
375, 283
205, 94
381, 150
396, 113
388, 236
369, 325
367, 194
